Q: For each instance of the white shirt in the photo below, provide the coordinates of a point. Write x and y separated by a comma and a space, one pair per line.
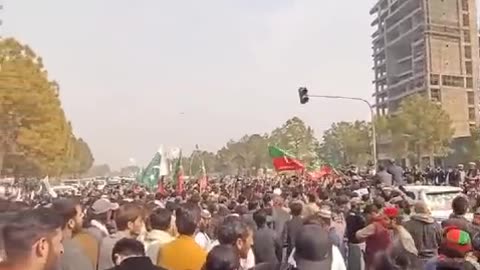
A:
337, 259
203, 240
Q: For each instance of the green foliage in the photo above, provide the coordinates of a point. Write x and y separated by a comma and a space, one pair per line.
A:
35, 137
347, 142
297, 138
249, 154
420, 128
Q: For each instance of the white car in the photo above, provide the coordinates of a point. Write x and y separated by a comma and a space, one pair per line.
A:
65, 189
438, 199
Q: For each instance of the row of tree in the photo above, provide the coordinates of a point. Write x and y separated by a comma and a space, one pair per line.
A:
36, 139
419, 128
249, 154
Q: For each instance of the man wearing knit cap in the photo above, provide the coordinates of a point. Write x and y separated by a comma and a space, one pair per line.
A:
453, 251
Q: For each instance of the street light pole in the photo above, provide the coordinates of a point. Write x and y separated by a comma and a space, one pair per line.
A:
372, 116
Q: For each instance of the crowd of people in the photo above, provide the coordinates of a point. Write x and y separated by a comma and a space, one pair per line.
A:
343, 221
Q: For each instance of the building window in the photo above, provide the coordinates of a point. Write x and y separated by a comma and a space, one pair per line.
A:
466, 20
434, 79
471, 114
471, 98
468, 52
455, 81
470, 83
466, 36
465, 5
436, 96
468, 67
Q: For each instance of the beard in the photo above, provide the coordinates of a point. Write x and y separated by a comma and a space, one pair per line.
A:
53, 262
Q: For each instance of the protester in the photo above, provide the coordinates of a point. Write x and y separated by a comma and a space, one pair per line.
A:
129, 254
426, 232
129, 221
74, 257
222, 257
201, 237
159, 235
314, 250
382, 177
454, 249
460, 207
376, 236
235, 232
267, 245
355, 221
33, 240
293, 226
172, 255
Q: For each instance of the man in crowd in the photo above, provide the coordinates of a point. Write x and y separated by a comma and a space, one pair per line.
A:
396, 172
96, 230
293, 226
172, 256
355, 221
426, 233
201, 237
235, 232
159, 235
74, 257
457, 219
33, 240
267, 245
129, 222
382, 177
129, 254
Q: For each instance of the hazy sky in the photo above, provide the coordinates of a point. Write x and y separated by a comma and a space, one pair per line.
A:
137, 74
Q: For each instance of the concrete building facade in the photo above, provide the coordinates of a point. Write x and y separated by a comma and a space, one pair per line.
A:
428, 47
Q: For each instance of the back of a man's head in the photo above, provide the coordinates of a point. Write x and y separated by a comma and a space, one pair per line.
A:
161, 219
187, 216
26, 229
460, 205
125, 248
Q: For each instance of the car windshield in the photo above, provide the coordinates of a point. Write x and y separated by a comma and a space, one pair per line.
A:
441, 200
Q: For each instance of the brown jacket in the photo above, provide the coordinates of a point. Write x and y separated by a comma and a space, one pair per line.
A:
90, 245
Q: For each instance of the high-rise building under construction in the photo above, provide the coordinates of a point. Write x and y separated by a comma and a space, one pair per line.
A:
428, 47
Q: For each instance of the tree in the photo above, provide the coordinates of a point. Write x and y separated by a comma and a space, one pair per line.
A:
347, 142
81, 158
297, 138
247, 155
33, 126
420, 128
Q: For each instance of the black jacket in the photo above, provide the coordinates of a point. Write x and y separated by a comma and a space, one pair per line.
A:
292, 227
137, 263
266, 245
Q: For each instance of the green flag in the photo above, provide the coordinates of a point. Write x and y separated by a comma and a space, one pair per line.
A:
150, 174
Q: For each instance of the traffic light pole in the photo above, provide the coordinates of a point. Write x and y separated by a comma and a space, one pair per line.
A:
372, 116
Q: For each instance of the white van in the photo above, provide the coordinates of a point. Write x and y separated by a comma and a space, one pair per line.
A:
438, 199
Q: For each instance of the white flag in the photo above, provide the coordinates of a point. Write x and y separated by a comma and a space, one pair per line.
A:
163, 167
49, 189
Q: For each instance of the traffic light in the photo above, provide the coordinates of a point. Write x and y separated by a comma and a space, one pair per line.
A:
303, 95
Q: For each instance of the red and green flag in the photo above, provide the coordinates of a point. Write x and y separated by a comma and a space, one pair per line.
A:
282, 161
178, 175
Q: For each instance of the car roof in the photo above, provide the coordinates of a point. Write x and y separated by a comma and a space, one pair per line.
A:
432, 188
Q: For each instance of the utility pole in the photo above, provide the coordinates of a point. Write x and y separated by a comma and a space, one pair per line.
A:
305, 97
